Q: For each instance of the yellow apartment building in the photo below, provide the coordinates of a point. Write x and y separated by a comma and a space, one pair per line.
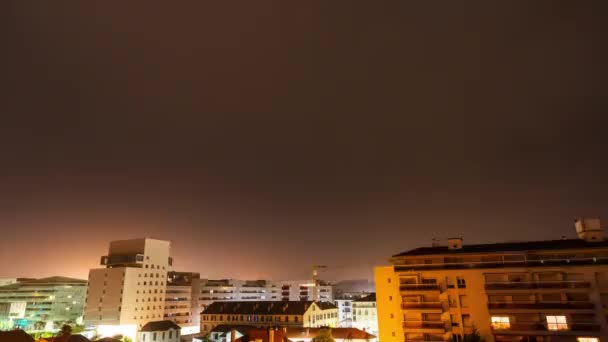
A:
519, 291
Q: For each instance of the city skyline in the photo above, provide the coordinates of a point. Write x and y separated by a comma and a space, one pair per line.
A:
262, 139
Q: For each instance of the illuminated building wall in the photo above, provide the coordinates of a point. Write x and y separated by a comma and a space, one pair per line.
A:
531, 291
261, 290
38, 303
130, 290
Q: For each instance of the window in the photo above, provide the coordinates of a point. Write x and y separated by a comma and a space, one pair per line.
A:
390, 297
389, 280
587, 339
143, 336
154, 336
170, 333
500, 322
557, 323
163, 335
461, 282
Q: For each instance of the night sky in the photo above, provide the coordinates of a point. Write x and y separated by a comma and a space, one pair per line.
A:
263, 137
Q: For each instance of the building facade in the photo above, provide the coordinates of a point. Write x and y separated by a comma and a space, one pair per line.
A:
527, 291
46, 303
181, 300
345, 312
262, 290
130, 291
159, 331
269, 314
365, 314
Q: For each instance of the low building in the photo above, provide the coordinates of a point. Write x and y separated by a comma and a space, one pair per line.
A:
263, 335
554, 290
270, 314
227, 290
35, 304
227, 332
159, 331
365, 314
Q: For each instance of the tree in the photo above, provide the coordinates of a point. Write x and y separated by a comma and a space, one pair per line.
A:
324, 335
66, 330
472, 337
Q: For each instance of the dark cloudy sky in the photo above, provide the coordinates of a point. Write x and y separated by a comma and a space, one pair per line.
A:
262, 137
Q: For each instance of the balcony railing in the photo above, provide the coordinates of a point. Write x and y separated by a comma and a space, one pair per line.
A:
543, 327
424, 305
419, 287
548, 262
424, 325
541, 306
558, 284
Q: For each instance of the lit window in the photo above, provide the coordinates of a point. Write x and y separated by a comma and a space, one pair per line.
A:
557, 323
587, 339
500, 322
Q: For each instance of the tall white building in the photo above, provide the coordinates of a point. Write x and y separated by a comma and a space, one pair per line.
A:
227, 290
130, 291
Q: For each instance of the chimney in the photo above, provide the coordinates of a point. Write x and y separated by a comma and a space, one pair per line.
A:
455, 243
589, 229
271, 335
232, 335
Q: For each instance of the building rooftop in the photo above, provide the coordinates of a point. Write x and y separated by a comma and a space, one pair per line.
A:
15, 336
263, 335
507, 247
160, 326
45, 281
368, 298
264, 307
339, 333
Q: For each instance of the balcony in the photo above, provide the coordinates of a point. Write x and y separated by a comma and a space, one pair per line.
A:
430, 307
518, 328
419, 287
542, 306
121, 260
516, 285
424, 327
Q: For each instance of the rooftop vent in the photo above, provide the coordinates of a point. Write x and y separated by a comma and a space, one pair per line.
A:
455, 243
589, 229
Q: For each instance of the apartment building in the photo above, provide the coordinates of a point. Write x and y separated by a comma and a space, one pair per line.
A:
365, 314
130, 291
34, 304
270, 314
262, 290
520, 291
345, 312
181, 300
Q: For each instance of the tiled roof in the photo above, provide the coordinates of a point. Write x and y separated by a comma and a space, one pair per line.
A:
108, 339
263, 335
507, 247
160, 326
223, 328
264, 307
369, 298
15, 336
339, 333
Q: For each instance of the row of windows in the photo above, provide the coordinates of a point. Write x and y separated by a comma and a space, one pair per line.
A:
162, 283
152, 275
323, 316
250, 318
150, 291
553, 322
154, 335
152, 266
